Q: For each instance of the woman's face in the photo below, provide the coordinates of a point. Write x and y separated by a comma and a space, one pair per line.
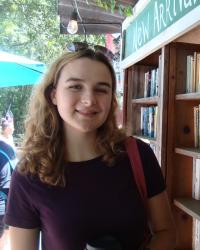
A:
83, 95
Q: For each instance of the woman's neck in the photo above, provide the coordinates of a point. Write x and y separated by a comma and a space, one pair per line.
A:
81, 146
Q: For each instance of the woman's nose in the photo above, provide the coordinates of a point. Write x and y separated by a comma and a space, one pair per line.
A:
88, 99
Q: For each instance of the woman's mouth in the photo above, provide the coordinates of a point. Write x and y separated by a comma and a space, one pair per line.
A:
87, 113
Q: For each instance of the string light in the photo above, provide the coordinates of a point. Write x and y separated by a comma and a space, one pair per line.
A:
72, 26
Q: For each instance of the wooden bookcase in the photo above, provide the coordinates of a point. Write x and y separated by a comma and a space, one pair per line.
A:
136, 99
174, 141
181, 151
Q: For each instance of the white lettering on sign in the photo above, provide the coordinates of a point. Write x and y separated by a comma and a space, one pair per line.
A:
156, 18
159, 14
187, 3
181, 5
162, 18
174, 8
168, 10
140, 33
145, 28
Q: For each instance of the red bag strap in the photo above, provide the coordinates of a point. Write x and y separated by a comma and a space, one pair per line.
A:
136, 165
138, 174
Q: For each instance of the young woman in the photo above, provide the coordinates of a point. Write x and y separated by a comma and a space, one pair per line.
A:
74, 182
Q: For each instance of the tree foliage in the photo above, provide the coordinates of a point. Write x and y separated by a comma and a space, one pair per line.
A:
31, 28
17, 99
113, 6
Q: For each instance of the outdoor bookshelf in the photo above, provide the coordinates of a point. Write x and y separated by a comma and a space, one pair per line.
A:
168, 42
182, 134
174, 140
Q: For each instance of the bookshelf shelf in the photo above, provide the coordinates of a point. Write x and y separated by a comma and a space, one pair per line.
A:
189, 206
192, 152
188, 96
146, 100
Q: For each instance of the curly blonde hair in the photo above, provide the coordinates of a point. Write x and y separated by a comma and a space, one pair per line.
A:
42, 154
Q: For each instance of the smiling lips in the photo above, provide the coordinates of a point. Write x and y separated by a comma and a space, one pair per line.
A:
87, 113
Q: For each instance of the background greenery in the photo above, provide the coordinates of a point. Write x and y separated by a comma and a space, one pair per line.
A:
31, 28
18, 98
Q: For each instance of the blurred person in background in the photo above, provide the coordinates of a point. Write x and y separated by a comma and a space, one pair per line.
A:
7, 164
7, 129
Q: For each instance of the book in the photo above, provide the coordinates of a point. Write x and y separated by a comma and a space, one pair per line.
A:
153, 82
155, 120
189, 73
194, 62
157, 82
196, 179
146, 84
149, 84
142, 120
151, 121
196, 234
196, 126
198, 72
146, 121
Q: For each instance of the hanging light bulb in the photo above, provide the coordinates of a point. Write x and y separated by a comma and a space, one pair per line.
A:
72, 26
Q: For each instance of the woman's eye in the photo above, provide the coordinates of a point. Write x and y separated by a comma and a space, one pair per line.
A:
75, 87
104, 91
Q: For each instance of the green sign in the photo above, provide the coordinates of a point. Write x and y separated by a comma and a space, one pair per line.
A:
155, 18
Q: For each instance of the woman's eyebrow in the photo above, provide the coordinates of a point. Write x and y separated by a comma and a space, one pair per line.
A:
74, 79
106, 84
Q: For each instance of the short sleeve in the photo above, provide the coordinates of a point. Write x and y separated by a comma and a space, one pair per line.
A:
154, 179
20, 210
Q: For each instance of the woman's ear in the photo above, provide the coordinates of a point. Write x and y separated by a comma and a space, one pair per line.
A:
53, 96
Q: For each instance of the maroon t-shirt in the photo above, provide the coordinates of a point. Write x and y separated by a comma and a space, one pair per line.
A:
98, 200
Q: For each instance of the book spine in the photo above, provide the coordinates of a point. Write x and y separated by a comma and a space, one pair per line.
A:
191, 74
152, 86
146, 82
198, 72
149, 84
155, 120
196, 235
142, 120
196, 126
187, 75
157, 82
151, 121
194, 79
146, 120
196, 179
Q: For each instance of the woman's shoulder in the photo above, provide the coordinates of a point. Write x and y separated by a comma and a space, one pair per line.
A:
22, 178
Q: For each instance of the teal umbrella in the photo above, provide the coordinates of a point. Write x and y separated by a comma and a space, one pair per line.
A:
18, 71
